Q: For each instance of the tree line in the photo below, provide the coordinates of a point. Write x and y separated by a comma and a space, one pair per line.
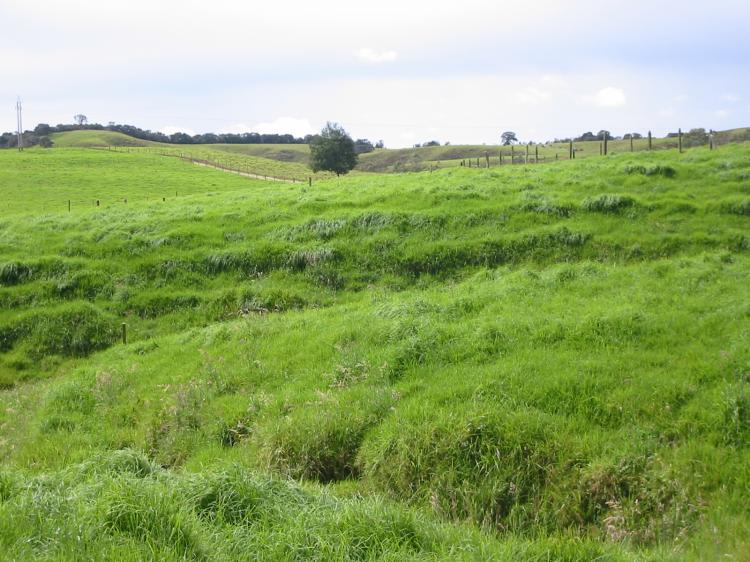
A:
43, 130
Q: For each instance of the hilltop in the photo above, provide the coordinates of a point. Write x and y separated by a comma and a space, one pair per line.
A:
522, 362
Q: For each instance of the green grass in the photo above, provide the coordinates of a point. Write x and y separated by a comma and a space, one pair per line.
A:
39, 181
292, 160
528, 362
90, 138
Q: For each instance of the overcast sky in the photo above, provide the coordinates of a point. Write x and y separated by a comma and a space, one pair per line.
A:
402, 71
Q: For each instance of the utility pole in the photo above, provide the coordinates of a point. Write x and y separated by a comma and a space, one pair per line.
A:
20, 124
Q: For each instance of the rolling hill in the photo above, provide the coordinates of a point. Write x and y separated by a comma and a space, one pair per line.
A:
295, 157
524, 362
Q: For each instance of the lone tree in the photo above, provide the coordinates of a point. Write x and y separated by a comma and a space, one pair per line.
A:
332, 150
508, 138
80, 119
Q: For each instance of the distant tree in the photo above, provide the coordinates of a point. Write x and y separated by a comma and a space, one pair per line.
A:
362, 146
42, 129
431, 143
601, 135
696, 137
45, 142
508, 138
180, 138
80, 119
634, 136
332, 150
380, 144
587, 136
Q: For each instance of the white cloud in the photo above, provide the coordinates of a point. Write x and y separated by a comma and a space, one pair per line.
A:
607, 97
667, 112
532, 96
283, 125
171, 129
375, 57
731, 98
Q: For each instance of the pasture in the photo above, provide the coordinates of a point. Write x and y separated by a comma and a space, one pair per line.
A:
531, 362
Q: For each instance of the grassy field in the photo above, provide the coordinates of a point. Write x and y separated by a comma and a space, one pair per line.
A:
291, 161
288, 162
517, 363
424, 158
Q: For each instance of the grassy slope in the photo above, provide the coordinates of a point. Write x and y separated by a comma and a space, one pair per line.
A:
294, 159
88, 139
416, 159
278, 161
85, 176
555, 351
299, 153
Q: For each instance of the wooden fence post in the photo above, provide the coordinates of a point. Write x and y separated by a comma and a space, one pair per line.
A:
679, 139
487, 157
631, 142
527, 155
536, 154
605, 143
649, 140
570, 150
512, 154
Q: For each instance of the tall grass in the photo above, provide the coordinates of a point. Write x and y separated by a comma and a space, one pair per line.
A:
531, 363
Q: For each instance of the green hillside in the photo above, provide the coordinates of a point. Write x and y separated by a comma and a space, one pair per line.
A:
298, 153
269, 162
89, 139
518, 363
294, 158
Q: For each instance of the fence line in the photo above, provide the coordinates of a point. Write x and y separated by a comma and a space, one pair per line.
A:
500, 158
